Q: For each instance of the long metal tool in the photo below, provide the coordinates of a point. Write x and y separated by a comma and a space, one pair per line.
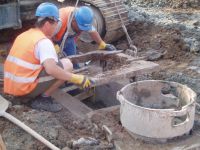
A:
68, 28
130, 42
3, 107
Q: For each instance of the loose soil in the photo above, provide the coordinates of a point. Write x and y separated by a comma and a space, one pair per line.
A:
178, 64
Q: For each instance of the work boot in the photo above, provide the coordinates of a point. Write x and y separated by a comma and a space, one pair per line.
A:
45, 103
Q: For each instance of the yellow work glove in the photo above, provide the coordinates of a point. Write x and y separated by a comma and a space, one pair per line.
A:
108, 47
80, 80
57, 48
102, 45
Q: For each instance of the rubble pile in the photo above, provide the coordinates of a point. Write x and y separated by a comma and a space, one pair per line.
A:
167, 3
184, 21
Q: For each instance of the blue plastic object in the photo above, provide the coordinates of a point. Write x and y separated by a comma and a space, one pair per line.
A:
84, 17
47, 10
70, 48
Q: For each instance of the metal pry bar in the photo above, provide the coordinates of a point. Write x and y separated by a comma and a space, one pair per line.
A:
130, 42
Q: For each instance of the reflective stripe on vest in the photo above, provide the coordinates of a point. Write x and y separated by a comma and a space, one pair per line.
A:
23, 63
26, 65
27, 80
19, 79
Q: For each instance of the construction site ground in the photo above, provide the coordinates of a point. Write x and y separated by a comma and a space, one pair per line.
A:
173, 33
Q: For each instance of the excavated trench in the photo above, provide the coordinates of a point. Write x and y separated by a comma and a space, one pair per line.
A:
171, 37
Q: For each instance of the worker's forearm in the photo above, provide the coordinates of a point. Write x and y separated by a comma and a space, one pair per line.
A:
59, 73
96, 37
54, 70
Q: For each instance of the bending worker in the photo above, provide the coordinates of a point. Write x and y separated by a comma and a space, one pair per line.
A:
82, 21
32, 68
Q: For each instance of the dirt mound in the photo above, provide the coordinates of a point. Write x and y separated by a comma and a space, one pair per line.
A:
149, 37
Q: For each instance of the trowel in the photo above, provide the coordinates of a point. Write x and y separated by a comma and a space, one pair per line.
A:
3, 107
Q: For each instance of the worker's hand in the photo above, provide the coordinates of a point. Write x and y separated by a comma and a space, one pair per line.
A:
81, 80
57, 48
108, 47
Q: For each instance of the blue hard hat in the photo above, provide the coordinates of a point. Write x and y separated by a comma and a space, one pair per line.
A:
84, 17
47, 10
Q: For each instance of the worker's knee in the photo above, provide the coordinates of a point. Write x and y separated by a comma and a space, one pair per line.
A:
67, 64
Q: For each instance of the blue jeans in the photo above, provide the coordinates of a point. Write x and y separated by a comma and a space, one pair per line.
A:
70, 48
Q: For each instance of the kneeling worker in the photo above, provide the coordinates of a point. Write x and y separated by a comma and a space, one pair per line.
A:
32, 68
81, 21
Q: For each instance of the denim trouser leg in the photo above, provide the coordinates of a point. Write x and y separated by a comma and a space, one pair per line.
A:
70, 48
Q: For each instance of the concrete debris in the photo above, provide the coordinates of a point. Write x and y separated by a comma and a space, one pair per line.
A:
167, 3
153, 55
84, 142
108, 132
184, 21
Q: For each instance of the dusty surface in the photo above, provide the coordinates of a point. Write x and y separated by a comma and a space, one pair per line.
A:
59, 128
174, 32
167, 3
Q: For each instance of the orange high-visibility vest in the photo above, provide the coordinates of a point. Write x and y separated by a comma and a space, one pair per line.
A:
64, 16
21, 68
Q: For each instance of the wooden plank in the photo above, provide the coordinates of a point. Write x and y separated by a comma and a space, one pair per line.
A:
81, 69
76, 107
129, 58
84, 95
135, 68
94, 55
70, 88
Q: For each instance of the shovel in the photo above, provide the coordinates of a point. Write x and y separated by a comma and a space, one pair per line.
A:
3, 107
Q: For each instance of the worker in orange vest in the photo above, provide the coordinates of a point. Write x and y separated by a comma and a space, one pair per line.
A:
32, 68
82, 21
